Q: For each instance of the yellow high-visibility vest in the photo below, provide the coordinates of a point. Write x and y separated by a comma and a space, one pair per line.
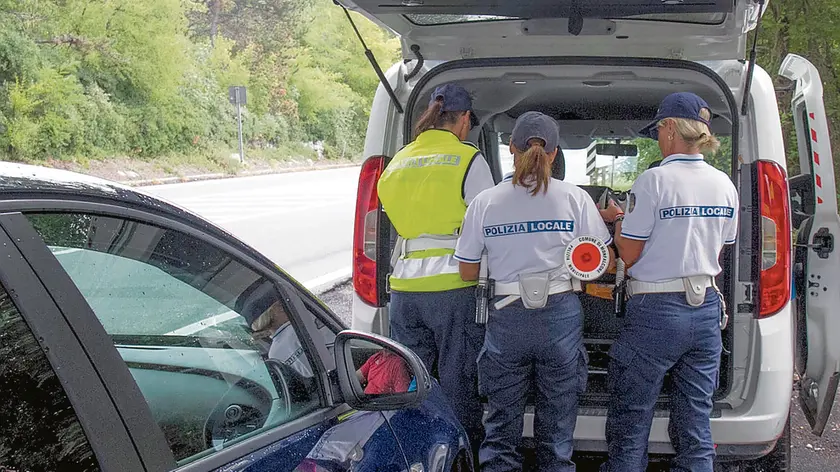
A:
422, 191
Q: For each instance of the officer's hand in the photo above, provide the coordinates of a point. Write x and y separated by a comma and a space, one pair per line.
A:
610, 212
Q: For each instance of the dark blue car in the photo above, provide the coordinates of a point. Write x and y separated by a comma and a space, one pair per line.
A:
135, 336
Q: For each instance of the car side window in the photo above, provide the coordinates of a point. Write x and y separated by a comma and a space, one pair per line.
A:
209, 341
40, 428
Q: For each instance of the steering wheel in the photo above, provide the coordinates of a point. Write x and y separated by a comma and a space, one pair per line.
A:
231, 419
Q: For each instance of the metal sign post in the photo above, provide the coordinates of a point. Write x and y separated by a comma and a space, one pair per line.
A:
237, 95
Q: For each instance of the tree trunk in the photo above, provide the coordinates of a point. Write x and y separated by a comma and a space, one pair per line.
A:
215, 9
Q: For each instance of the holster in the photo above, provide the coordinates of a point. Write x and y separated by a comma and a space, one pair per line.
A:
533, 288
484, 292
620, 299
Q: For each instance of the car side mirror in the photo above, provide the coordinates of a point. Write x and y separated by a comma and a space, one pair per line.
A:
376, 373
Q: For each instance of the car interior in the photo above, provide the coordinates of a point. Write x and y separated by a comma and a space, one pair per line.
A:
209, 382
590, 103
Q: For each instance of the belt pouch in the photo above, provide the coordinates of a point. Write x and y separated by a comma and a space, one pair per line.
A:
533, 288
695, 290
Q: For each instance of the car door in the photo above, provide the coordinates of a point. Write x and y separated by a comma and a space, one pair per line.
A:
817, 263
214, 359
55, 413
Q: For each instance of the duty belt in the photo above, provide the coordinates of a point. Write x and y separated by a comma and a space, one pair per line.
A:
513, 293
693, 287
637, 287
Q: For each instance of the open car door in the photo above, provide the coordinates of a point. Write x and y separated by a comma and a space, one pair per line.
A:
471, 29
816, 262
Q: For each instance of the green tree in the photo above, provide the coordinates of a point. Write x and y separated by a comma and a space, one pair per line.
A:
790, 27
334, 80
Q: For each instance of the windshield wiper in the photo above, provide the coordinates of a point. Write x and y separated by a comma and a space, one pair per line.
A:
372, 60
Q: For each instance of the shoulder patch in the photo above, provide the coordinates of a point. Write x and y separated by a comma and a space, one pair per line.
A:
631, 202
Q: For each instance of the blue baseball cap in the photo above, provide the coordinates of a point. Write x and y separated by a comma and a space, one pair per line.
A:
533, 124
455, 98
255, 300
677, 105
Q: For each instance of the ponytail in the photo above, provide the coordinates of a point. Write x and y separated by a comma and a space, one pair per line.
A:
696, 133
434, 118
533, 168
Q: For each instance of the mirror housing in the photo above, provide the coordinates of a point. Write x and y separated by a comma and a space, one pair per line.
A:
620, 150
351, 345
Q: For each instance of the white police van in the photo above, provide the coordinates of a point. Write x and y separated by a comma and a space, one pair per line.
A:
600, 68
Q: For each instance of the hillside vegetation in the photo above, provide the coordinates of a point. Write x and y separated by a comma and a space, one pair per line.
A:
84, 80
96, 79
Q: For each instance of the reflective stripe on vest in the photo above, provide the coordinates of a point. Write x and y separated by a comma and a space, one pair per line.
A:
421, 190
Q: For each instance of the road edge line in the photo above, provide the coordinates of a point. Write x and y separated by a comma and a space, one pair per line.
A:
327, 282
218, 176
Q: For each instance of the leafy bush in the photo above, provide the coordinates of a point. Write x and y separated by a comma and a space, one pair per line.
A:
150, 79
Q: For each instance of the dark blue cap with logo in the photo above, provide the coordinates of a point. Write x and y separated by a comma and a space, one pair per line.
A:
677, 105
454, 98
533, 124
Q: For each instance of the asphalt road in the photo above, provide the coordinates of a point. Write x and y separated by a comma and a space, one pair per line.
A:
809, 453
303, 221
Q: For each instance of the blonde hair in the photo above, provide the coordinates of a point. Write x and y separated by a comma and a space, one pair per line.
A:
264, 320
695, 133
532, 168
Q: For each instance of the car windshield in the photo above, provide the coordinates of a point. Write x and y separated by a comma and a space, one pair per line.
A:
587, 167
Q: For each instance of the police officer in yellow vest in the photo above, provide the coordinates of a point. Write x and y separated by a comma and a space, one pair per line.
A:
425, 191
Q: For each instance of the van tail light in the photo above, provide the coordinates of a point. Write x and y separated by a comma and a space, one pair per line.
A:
366, 230
775, 258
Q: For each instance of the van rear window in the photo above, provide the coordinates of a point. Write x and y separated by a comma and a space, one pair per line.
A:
443, 19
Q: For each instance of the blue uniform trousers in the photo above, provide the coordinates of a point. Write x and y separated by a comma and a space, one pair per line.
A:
440, 327
547, 342
663, 333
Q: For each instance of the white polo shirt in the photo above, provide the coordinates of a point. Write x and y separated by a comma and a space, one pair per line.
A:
685, 210
478, 178
524, 233
286, 348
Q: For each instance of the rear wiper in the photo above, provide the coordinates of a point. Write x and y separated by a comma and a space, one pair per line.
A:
751, 66
372, 60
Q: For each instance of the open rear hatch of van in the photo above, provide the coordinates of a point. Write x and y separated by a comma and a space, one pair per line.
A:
594, 98
598, 67
462, 29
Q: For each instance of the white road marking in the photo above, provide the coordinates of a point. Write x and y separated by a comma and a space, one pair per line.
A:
332, 277
192, 328
65, 251
200, 325
280, 211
